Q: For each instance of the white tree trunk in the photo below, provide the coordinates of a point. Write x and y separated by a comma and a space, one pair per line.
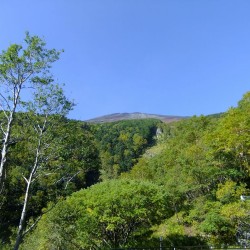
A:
5, 145
27, 192
9, 115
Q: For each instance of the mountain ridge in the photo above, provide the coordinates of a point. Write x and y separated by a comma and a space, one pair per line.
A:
133, 116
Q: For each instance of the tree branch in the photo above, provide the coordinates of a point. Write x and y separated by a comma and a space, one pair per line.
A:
25, 178
72, 177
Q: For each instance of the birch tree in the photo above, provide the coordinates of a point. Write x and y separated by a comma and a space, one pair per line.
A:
27, 85
22, 68
48, 103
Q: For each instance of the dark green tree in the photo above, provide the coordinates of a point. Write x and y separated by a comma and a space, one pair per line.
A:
72, 163
122, 143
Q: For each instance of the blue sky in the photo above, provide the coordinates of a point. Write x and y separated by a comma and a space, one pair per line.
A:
172, 57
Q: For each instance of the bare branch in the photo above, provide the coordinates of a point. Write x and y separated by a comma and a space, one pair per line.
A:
25, 178
71, 178
32, 226
2, 129
36, 221
6, 101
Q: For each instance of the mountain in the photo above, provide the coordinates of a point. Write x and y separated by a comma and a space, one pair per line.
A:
135, 115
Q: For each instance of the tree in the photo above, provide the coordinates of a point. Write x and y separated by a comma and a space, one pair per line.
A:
229, 143
79, 157
111, 214
27, 85
48, 102
122, 143
22, 70
72, 163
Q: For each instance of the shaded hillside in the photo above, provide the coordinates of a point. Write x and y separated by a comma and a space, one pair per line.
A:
133, 116
121, 143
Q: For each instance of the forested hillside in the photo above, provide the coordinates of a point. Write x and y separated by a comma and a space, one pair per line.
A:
76, 155
46, 157
189, 185
122, 143
72, 162
203, 165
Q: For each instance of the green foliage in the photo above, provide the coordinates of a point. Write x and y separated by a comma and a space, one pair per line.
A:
199, 168
117, 213
72, 163
122, 143
229, 191
25, 67
230, 141
26, 84
203, 164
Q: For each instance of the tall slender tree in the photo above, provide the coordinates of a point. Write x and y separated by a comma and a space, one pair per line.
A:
27, 85
23, 68
48, 103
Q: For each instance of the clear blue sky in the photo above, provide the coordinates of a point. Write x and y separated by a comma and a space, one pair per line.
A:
172, 57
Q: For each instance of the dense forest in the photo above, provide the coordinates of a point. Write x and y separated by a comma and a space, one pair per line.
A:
117, 184
67, 184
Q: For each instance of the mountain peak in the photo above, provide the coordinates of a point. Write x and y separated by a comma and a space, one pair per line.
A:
135, 115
